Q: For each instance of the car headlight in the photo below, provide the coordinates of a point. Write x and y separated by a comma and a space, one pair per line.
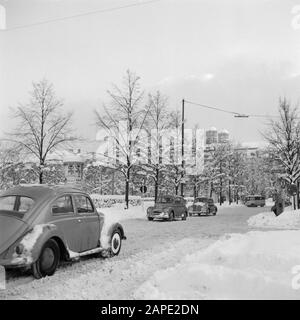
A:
166, 210
149, 210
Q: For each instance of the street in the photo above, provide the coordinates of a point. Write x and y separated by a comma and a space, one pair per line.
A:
150, 246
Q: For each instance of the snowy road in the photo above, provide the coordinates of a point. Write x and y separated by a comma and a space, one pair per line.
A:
150, 246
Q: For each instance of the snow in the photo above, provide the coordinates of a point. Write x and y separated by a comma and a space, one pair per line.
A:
105, 279
28, 242
289, 219
116, 214
256, 265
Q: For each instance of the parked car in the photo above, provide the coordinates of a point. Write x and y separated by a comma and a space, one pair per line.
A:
168, 208
203, 206
255, 201
43, 225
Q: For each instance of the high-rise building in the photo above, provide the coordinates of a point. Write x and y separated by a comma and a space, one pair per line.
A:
211, 135
223, 136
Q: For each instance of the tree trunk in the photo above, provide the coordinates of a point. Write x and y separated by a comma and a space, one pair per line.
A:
220, 194
156, 185
176, 189
127, 189
41, 177
297, 194
155, 190
229, 191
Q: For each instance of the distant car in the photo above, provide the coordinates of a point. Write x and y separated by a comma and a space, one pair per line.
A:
42, 225
168, 208
203, 206
255, 201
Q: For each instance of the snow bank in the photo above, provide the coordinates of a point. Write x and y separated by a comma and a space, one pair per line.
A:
256, 265
289, 219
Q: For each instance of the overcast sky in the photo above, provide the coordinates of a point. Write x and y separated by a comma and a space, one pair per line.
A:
237, 54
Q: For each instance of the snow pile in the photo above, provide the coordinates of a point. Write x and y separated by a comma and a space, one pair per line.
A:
289, 219
107, 201
256, 265
270, 202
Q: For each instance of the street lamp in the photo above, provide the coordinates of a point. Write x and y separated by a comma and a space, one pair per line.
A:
241, 116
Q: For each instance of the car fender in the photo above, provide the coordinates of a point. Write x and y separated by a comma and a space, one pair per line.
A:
33, 241
150, 210
117, 226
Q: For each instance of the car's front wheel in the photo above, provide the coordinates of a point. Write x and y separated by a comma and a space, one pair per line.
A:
171, 216
48, 260
115, 245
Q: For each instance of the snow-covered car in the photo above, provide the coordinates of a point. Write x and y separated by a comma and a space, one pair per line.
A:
40, 226
203, 206
168, 208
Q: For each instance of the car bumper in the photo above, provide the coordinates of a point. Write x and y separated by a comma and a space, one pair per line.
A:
16, 261
159, 215
191, 212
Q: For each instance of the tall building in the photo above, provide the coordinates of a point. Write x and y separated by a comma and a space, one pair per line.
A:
223, 136
212, 135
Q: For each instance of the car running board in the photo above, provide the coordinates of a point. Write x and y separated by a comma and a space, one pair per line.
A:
77, 255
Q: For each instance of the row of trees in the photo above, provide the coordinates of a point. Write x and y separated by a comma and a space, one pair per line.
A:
283, 137
43, 127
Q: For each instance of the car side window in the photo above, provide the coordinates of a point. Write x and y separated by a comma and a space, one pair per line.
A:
83, 204
63, 205
177, 200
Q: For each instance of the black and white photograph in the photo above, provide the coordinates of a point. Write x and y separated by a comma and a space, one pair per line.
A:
149, 151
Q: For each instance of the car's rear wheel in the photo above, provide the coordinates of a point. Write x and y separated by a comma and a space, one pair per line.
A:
48, 260
150, 218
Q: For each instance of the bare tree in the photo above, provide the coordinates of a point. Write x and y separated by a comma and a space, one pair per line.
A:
42, 126
283, 136
176, 171
123, 122
157, 122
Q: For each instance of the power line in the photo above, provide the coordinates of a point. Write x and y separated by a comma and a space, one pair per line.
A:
236, 114
213, 108
79, 15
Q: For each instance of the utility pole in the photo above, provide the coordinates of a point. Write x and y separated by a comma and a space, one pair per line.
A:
182, 148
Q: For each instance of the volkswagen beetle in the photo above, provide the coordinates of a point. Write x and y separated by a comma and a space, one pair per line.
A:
42, 225
203, 206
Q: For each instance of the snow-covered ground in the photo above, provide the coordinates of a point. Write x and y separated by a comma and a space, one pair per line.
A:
256, 265
105, 279
157, 255
118, 213
289, 219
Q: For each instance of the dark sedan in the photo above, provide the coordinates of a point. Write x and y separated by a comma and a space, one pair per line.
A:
203, 206
42, 225
168, 208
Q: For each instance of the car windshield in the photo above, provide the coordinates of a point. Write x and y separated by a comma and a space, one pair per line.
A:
201, 200
16, 204
254, 198
165, 199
